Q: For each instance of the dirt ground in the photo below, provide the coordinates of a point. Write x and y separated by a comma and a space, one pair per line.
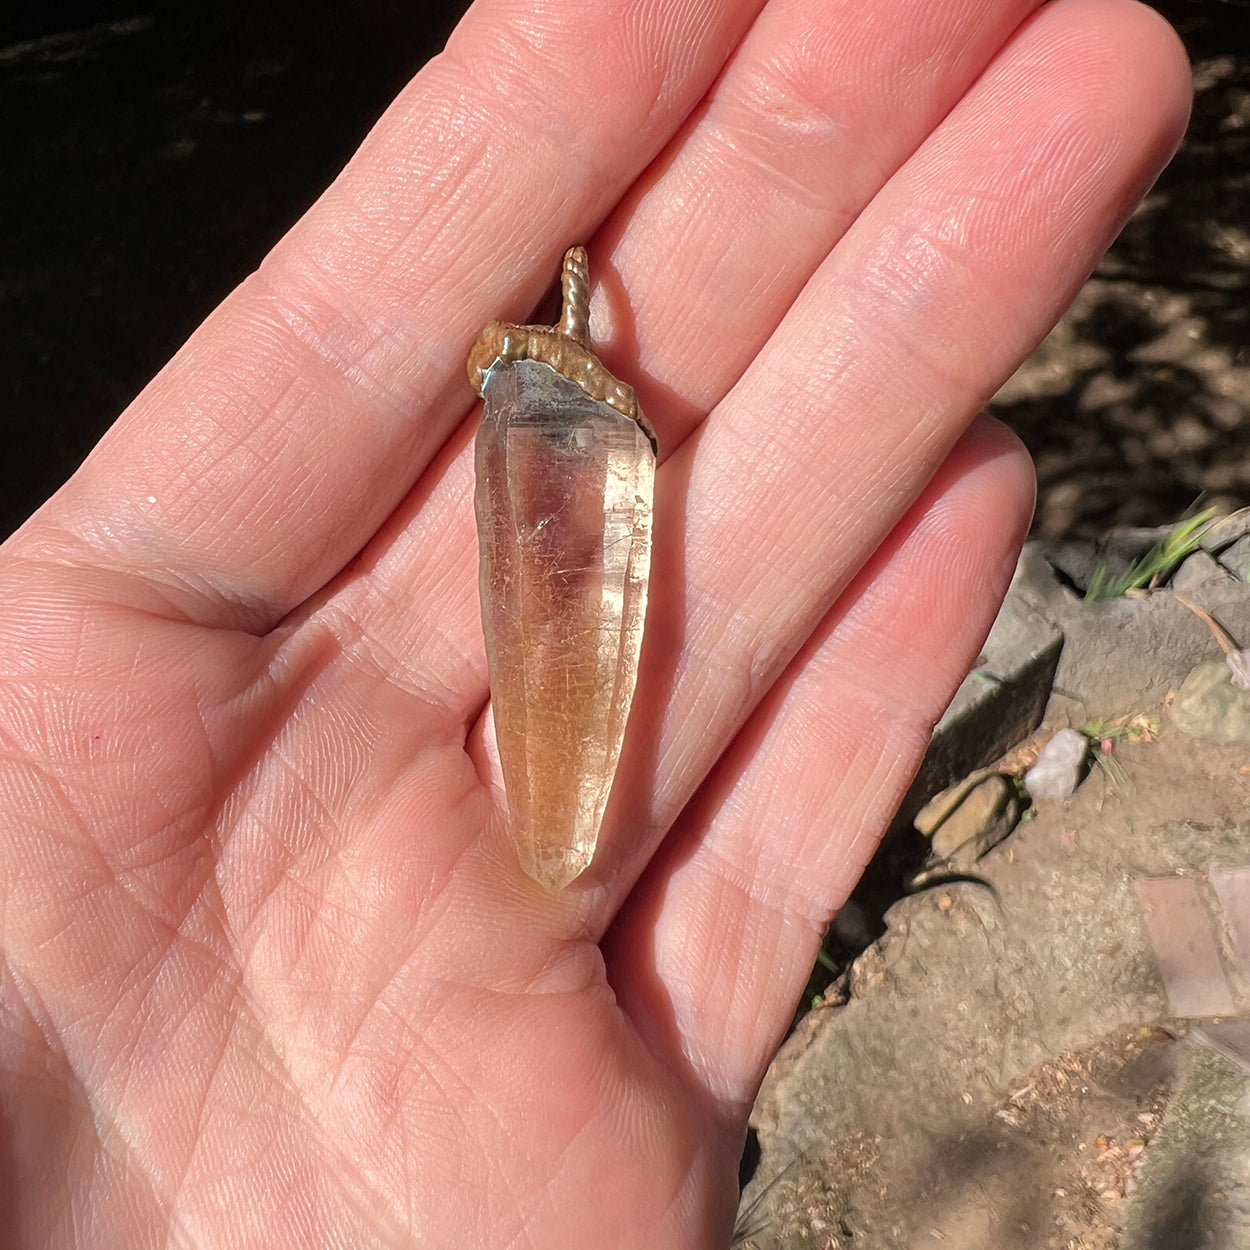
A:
998, 1066
1050, 1165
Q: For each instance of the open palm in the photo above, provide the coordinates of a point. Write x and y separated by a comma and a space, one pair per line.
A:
271, 973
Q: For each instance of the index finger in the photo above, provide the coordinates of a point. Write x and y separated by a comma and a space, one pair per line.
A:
294, 420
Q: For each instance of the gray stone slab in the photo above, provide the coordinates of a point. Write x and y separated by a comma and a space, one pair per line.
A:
1225, 531
1195, 572
1049, 967
1078, 559
1231, 1038
1210, 704
1236, 558
975, 987
961, 1042
1193, 1188
1100, 660
1185, 946
1232, 888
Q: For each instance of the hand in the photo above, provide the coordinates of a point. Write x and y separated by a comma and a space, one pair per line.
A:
272, 976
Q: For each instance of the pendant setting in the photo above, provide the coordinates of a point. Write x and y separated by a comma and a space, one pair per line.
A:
565, 467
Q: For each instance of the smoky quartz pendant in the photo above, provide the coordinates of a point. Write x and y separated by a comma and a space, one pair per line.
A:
565, 469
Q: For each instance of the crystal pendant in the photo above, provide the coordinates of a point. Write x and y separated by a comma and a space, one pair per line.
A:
565, 470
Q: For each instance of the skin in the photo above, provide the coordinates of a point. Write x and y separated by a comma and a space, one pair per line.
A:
271, 974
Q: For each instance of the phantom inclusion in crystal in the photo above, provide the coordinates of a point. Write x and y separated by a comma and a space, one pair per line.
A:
565, 472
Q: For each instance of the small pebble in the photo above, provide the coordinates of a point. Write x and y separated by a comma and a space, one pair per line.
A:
1197, 571
1057, 772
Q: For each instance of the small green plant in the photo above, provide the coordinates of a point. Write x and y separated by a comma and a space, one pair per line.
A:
1115, 772
1105, 735
1183, 539
1134, 727
827, 963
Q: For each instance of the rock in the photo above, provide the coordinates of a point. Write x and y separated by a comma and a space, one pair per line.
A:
1239, 666
1226, 530
1230, 1038
1236, 558
1078, 559
1196, 571
1057, 772
999, 704
1103, 669
967, 991
988, 813
969, 818
886, 1117
1044, 637
941, 806
1210, 705
1193, 1188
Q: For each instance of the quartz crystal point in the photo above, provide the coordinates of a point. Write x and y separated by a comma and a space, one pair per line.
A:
564, 502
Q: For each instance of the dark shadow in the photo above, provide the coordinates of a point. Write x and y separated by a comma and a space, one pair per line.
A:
152, 154
750, 1161
1150, 410
1004, 1166
1185, 1213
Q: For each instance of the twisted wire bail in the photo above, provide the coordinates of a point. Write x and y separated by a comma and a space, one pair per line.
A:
575, 296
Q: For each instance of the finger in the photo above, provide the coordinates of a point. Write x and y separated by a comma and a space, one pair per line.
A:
297, 417
712, 950
802, 129
818, 109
